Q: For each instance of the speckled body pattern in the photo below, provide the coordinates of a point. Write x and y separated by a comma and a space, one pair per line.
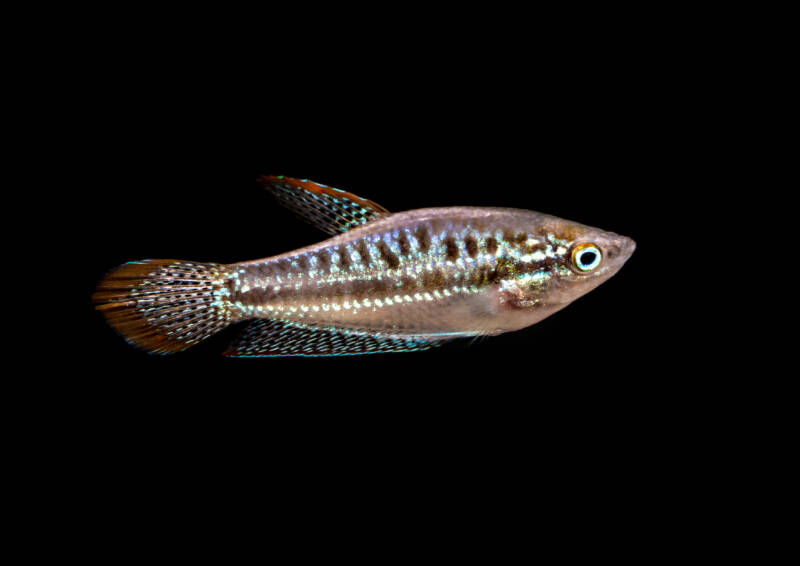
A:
384, 282
452, 272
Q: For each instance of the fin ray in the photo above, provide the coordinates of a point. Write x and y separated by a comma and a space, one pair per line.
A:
164, 306
331, 210
272, 337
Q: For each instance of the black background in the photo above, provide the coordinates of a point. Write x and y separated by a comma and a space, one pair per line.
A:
162, 150
172, 179
171, 176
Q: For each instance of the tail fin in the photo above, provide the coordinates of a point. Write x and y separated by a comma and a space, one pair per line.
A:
165, 306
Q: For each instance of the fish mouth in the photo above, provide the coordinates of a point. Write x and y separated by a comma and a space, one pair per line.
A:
628, 247
620, 250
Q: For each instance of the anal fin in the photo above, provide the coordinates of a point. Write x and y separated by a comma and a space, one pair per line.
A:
281, 338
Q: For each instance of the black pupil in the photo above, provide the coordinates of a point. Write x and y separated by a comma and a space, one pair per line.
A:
587, 258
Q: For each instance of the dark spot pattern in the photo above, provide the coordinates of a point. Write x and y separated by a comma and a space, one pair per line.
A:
402, 241
388, 255
344, 258
472, 246
451, 248
491, 246
423, 238
526, 249
361, 248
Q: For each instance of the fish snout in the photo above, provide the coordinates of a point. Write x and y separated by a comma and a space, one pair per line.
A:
620, 249
628, 247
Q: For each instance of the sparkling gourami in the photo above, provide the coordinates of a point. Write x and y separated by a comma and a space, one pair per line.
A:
384, 282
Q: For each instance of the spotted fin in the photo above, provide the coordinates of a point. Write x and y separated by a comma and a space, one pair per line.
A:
280, 338
331, 210
164, 305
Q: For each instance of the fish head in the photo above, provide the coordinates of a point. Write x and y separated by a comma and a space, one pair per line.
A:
551, 263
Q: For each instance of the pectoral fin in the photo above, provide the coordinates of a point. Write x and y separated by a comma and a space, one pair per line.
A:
279, 338
331, 210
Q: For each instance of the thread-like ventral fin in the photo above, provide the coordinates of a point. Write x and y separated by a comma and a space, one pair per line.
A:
331, 210
272, 337
164, 306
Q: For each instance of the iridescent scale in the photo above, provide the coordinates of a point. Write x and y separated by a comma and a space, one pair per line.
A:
419, 273
383, 283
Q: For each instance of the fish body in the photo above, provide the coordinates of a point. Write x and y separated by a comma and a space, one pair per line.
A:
385, 282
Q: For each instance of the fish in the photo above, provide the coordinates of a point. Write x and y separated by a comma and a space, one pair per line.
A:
382, 282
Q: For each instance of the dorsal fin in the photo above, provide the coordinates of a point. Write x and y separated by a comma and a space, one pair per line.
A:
331, 210
270, 337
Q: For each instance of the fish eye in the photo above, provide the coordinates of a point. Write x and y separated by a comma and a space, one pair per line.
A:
586, 257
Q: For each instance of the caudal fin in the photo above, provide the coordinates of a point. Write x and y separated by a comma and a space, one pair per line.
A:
165, 306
